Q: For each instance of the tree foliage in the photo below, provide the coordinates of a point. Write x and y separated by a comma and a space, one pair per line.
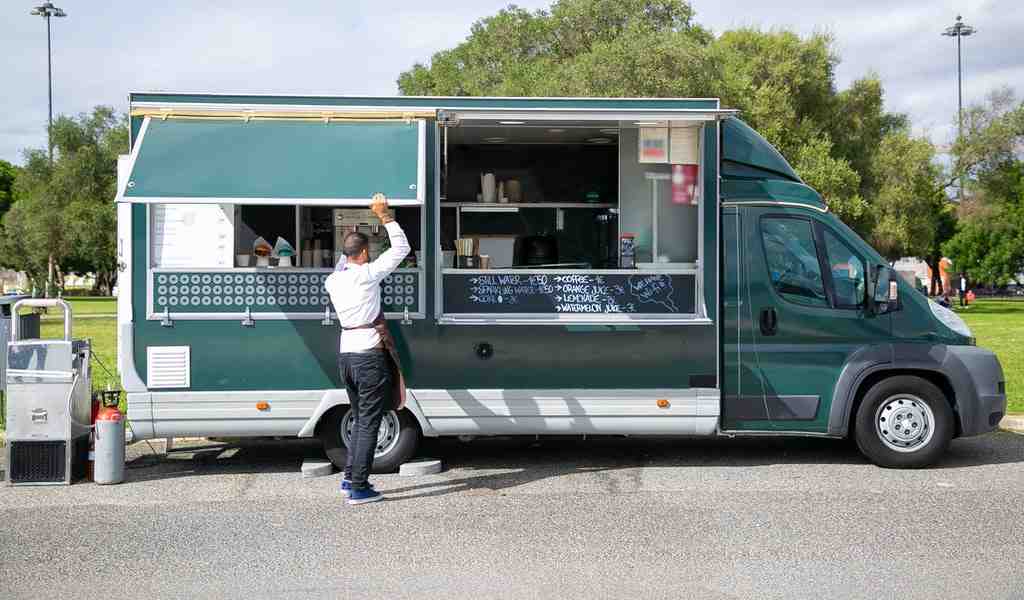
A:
989, 241
8, 173
908, 200
65, 209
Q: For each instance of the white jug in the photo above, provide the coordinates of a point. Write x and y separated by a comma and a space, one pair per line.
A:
487, 187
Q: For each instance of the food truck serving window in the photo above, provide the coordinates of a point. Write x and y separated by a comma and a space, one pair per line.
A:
245, 218
585, 220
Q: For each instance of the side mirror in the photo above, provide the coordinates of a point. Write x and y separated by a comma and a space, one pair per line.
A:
885, 295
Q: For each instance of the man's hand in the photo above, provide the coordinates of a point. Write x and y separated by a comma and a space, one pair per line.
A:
379, 206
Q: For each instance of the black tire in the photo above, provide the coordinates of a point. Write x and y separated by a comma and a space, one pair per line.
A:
409, 435
892, 400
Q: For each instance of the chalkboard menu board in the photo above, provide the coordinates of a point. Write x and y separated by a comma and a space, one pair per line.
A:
565, 293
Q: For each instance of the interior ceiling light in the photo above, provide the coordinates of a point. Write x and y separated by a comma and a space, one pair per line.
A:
495, 140
512, 122
598, 140
556, 130
610, 131
645, 122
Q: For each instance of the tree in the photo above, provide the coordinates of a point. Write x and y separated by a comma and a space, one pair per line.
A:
519, 53
909, 199
833, 178
989, 240
8, 173
65, 212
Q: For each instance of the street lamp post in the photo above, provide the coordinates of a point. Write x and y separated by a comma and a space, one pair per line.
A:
47, 10
959, 30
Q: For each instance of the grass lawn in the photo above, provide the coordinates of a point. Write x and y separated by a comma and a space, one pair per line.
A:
88, 305
103, 333
999, 326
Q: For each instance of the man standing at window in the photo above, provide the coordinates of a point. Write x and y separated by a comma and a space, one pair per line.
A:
364, 361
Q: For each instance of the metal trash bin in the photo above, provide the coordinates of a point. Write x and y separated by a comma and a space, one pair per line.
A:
49, 408
28, 327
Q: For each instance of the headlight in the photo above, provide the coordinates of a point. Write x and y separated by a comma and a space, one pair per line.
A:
950, 319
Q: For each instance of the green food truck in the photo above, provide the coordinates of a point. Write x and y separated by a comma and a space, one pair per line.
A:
581, 266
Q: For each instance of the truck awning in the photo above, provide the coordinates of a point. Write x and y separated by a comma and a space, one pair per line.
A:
274, 160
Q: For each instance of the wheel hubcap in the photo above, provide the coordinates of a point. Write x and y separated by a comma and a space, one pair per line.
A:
387, 435
904, 423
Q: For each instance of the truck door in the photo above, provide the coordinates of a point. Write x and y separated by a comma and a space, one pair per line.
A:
743, 403
807, 290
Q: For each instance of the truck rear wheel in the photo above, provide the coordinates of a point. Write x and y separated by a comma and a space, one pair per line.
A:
397, 440
904, 422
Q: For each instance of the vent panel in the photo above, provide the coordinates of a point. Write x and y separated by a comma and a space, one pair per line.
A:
168, 367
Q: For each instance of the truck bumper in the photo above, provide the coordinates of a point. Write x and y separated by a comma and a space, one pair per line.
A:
980, 388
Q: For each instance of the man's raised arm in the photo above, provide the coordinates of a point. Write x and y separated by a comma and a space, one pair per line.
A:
389, 260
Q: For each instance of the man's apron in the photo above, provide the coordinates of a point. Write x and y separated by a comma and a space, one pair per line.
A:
397, 379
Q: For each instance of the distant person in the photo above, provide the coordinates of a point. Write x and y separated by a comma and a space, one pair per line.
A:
364, 360
943, 300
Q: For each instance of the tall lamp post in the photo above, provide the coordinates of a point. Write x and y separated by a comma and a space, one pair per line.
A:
959, 30
47, 10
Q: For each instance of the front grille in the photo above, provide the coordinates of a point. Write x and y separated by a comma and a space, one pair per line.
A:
38, 462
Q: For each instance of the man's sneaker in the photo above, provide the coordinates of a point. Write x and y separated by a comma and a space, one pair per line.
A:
346, 487
364, 496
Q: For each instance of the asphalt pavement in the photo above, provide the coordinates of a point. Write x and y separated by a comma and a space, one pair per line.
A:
516, 518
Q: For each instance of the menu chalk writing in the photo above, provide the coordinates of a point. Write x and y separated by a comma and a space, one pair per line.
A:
569, 293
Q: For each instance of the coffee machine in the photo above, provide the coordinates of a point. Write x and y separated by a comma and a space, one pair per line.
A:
607, 239
347, 220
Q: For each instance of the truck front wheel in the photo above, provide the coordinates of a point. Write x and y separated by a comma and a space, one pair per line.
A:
904, 422
397, 439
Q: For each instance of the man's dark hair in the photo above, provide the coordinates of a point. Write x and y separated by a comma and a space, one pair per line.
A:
354, 244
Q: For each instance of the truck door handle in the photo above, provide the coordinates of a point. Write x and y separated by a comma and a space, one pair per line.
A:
769, 321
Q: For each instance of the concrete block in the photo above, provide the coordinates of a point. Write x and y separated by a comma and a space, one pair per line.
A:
1013, 423
316, 468
426, 466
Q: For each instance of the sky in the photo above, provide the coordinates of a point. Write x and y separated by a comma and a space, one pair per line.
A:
105, 49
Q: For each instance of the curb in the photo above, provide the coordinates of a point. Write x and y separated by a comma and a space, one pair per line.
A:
1013, 423
423, 466
316, 468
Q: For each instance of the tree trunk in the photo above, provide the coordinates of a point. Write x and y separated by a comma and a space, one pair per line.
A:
936, 283
49, 276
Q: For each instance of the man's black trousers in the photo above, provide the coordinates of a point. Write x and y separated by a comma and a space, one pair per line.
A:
367, 375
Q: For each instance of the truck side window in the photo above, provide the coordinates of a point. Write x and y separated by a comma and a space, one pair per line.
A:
792, 258
847, 272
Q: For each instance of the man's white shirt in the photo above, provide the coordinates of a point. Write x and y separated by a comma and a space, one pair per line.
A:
355, 291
